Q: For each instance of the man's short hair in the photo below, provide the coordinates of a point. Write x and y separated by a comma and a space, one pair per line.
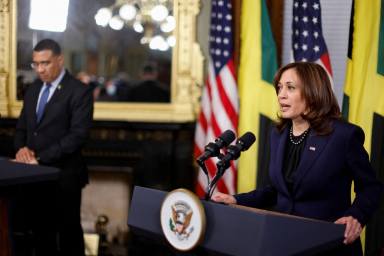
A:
48, 44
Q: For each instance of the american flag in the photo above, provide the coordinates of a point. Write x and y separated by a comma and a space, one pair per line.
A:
308, 43
219, 103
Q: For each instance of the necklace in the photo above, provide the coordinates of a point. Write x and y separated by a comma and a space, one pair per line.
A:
301, 137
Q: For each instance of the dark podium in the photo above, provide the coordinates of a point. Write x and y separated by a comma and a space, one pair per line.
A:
241, 230
12, 175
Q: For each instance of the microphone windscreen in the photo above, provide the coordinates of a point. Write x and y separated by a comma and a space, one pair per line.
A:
227, 137
246, 140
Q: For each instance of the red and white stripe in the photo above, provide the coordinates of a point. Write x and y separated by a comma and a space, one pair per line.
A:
219, 112
325, 62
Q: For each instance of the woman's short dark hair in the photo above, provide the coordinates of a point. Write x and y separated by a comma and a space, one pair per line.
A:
48, 44
318, 94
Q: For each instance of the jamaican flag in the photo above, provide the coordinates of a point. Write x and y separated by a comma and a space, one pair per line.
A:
363, 102
258, 102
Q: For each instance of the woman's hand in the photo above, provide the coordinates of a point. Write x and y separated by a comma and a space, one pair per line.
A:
223, 198
352, 230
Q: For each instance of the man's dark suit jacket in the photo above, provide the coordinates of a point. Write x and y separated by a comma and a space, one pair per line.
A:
58, 138
322, 182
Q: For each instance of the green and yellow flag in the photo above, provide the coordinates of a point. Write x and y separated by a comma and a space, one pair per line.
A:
363, 102
258, 64
364, 87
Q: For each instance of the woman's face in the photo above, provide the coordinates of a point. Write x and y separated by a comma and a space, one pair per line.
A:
289, 95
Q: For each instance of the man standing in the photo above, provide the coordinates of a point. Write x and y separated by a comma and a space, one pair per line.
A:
52, 128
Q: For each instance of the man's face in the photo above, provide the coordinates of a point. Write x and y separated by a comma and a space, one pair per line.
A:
47, 65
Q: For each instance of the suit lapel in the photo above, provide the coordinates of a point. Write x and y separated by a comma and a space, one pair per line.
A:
55, 96
59, 90
280, 159
312, 150
34, 100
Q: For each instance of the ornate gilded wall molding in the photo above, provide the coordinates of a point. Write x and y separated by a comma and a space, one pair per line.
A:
5, 64
4, 6
190, 59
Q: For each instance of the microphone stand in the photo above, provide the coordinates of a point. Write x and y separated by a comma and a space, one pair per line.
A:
211, 184
203, 167
219, 173
205, 170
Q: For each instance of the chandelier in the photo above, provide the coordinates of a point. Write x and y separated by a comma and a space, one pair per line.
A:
152, 18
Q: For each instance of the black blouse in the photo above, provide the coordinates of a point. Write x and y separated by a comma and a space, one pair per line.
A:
292, 157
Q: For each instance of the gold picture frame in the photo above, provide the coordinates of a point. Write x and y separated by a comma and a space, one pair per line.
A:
187, 72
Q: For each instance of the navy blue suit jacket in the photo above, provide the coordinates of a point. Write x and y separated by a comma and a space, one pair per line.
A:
63, 130
322, 181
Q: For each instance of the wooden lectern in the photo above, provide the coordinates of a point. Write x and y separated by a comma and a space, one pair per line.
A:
14, 174
241, 230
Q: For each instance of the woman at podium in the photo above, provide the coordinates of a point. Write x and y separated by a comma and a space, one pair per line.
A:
315, 156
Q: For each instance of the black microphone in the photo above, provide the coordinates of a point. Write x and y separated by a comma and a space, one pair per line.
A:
213, 149
233, 151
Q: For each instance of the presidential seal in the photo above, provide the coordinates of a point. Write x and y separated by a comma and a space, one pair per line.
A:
182, 219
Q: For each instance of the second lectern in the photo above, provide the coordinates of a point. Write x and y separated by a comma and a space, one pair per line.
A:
12, 176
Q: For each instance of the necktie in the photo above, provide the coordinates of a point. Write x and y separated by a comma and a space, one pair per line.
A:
43, 101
